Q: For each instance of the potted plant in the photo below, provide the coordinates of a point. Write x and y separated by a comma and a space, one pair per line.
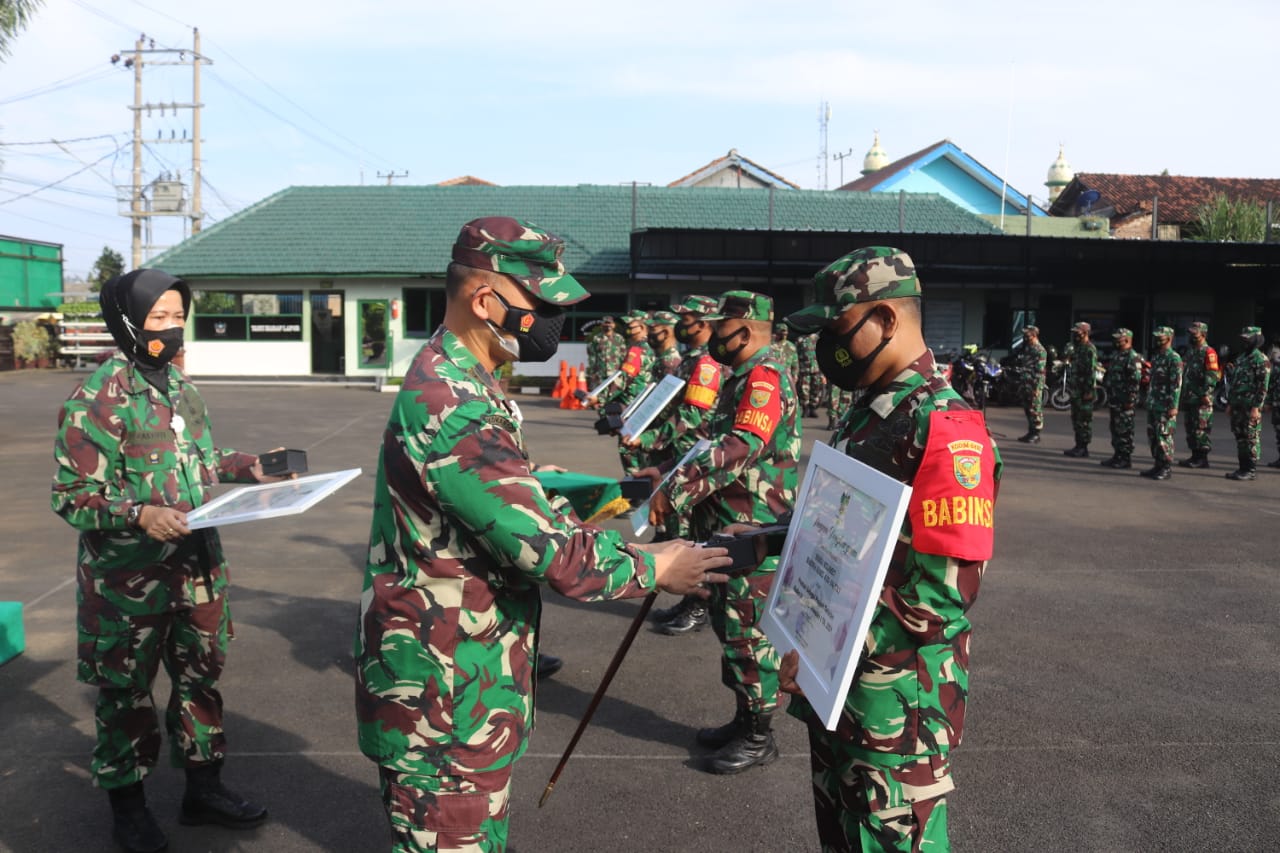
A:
31, 344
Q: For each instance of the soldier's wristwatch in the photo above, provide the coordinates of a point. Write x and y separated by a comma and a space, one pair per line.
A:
133, 515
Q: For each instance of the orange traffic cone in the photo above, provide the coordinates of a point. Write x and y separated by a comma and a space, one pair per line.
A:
567, 400
558, 391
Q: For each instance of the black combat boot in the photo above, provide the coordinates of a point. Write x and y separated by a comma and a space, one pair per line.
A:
753, 745
720, 735
548, 665
134, 827
666, 614
1118, 460
1032, 437
1159, 471
207, 800
1248, 470
1199, 459
692, 618
1080, 451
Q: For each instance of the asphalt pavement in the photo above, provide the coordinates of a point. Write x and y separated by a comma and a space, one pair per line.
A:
1124, 662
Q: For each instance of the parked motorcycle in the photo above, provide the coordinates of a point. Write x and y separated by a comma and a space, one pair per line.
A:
974, 375
1060, 396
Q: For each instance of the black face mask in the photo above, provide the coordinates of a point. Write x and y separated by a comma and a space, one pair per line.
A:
1251, 342
156, 349
657, 341
684, 332
537, 332
718, 346
835, 356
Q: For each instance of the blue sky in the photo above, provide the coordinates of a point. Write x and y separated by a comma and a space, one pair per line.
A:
586, 92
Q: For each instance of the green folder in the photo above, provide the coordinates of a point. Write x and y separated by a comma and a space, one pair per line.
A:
594, 499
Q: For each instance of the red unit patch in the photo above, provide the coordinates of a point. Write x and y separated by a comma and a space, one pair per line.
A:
760, 408
953, 497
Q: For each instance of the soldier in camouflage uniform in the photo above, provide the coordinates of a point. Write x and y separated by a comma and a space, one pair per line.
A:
1162, 403
1273, 399
605, 352
748, 475
811, 391
880, 779
1032, 363
786, 353
1248, 392
637, 364
135, 454
1200, 377
838, 405
680, 428
461, 539
1124, 384
1082, 378
666, 351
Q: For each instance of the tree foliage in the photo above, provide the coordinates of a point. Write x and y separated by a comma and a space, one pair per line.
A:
1226, 220
15, 16
108, 265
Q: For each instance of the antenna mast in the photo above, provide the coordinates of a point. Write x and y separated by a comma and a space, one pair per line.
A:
824, 116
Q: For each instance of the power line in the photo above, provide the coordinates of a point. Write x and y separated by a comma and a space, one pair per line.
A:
357, 146
60, 141
60, 180
87, 76
119, 23
88, 193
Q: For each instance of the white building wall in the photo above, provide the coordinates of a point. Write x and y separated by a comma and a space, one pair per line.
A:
246, 358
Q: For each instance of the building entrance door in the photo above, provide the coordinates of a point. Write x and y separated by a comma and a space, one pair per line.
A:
327, 338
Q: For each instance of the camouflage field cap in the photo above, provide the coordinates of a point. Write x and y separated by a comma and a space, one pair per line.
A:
1198, 328
663, 318
1122, 332
863, 275
635, 317
1250, 331
607, 319
695, 304
1162, 332
521, 250
1035, 330
1082, 326
742, 305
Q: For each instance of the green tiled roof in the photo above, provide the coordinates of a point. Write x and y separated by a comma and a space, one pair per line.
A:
408, 230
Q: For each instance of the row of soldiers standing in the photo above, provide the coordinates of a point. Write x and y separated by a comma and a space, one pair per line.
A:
1172, 385
607, 351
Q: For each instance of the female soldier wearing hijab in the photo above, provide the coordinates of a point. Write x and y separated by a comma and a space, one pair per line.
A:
135, 454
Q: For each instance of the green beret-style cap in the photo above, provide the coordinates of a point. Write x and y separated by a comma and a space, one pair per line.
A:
1122, 332
864, 275
521, 250
695, 304
1199, 328
635, 317
742, 305
1163, 332
1249, 331
663, 318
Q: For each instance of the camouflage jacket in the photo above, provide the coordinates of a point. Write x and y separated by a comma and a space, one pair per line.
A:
1032, 361
604, 356
788, 358
1084, 369
120, 442
749, 472
461, 539
807, 354
1124, 379
1166, 381
908, 696
666, 363
637, 374
1200, 374
682, 424
1249, 380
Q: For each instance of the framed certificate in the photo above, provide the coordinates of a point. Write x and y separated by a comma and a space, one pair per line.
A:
640, 515
833, 564
268, 500
599, 389
653, 403
635, 404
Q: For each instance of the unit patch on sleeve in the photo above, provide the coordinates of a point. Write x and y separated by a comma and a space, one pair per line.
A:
704, 383
635, 358
953, 496
760, 408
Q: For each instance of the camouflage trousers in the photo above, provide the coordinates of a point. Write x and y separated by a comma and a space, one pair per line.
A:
872, 801
841, 400
434, 814
1161, 428
192, 645
1122, 427
748, 662
1248, 434
1198, 421
1033, 407
811, 391
1082, 420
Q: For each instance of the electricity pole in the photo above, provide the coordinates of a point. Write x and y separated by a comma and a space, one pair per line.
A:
392, 174
167, 195
839, 158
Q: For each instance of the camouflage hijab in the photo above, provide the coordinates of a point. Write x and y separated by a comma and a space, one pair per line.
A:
126, 300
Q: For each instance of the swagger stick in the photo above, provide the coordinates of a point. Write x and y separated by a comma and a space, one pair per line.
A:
600, 691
